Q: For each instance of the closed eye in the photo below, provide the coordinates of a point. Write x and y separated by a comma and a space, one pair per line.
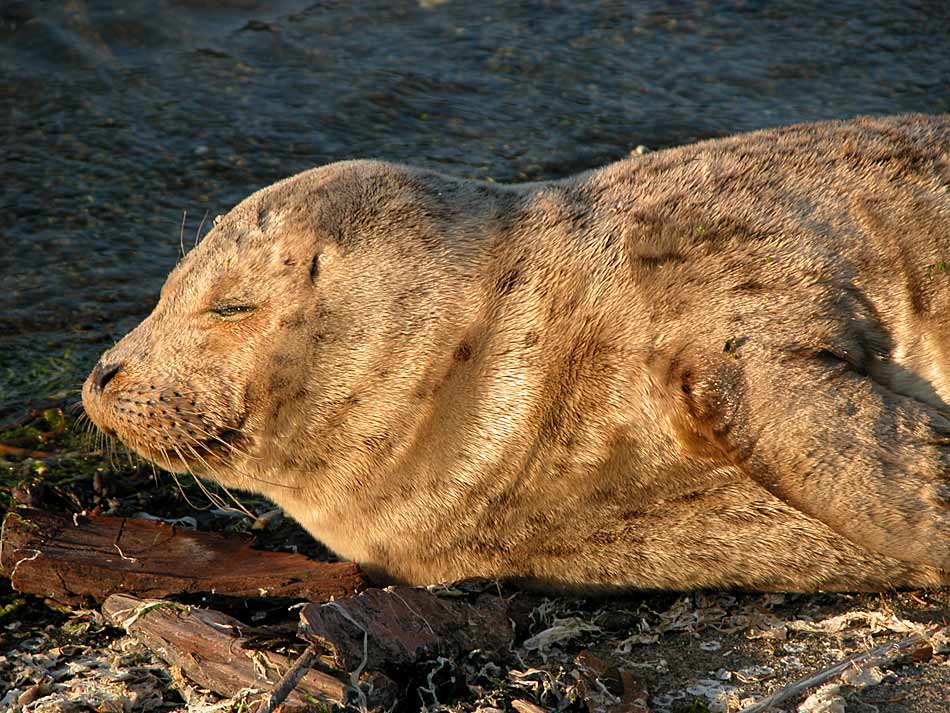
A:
231, 310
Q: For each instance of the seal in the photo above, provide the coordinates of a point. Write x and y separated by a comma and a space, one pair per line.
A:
720, 365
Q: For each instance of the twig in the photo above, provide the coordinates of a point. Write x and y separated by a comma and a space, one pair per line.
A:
288, 682
6, 450
884, 654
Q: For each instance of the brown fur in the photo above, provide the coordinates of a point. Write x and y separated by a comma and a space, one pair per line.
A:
720, 365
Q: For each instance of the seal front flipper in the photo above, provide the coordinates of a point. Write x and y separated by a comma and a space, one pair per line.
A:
837, 445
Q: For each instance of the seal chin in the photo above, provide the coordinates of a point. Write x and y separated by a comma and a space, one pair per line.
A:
204, 458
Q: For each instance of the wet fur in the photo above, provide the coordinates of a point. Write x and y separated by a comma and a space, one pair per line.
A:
720, 365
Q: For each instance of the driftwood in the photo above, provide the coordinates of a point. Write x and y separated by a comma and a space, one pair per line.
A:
396, 627
289, 681
207, 646
885, 654
81, 560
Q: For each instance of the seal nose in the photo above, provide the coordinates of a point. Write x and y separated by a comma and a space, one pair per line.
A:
104, 373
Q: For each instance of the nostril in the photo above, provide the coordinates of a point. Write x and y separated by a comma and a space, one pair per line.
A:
104, 373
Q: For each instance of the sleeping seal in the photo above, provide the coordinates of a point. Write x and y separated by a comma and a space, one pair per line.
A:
721, 365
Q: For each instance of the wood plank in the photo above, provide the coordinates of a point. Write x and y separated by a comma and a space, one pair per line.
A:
79, 561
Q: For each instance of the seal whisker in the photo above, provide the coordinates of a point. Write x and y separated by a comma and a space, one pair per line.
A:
230, 446
241, 507
214, 498
243, 473
200, 226
105, 445
84, 429
151, 461
181, 489
155, 470
181, 234
130, 456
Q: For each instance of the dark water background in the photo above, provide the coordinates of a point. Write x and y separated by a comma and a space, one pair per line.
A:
115, 117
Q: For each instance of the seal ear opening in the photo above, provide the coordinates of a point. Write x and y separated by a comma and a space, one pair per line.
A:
315, 268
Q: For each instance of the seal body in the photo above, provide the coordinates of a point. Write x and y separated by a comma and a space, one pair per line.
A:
722, 365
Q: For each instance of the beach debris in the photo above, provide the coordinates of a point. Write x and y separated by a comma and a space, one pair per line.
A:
210, 649
827, 699
719, 696
121, 676
560, 631
523, 706
289, 681
605, 688
401, 626
876, 621
80, 560
859, 669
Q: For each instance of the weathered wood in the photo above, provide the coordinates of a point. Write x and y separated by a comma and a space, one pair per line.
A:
81, 560
208, 648
395, 627
289, 681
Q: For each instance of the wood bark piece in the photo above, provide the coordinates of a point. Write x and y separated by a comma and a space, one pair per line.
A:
81, 560
207, 646
399, 626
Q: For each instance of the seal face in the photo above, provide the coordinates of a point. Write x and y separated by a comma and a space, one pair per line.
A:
719, 365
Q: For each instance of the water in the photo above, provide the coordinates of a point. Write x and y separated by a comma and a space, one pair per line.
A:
118, 117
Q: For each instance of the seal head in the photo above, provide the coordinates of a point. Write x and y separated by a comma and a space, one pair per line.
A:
269, 338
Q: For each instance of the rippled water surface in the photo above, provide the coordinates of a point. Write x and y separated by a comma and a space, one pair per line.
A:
119, 116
